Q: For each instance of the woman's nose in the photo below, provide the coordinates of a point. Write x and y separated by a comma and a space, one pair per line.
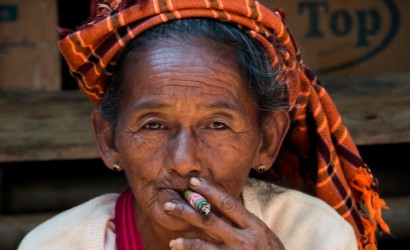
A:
184, 153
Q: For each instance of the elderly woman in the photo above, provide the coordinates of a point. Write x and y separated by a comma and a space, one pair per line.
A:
211, 97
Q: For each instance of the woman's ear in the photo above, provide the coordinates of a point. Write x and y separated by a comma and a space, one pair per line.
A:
274, 128
104, 138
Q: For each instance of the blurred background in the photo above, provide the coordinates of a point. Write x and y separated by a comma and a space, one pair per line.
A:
48, 161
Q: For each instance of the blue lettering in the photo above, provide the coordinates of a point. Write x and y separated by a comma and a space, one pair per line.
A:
8, 13
366, 29
341, 23
313, 10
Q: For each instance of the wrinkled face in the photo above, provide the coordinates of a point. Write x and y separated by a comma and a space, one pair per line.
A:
186, 113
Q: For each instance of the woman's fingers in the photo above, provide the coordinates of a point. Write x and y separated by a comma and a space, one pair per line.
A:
230, 207
211, 224
229, 225
186, 244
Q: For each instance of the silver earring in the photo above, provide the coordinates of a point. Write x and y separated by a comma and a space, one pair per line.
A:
116, 167
261, 169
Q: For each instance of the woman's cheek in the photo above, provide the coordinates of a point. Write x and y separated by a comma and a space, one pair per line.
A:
141, 142
230, 164
142, 151
228, 146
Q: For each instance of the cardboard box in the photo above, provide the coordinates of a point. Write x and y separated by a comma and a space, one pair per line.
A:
350, 37
29, 57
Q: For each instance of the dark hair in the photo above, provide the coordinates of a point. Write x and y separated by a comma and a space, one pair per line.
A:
251, 57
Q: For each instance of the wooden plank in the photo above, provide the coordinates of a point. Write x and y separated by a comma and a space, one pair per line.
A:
59, 193
14, 228
376, 109
398, 218
376, 119
55, 125
29, 56
45, 126
1, 189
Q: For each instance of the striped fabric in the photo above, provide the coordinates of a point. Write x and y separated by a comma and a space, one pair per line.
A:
318, 145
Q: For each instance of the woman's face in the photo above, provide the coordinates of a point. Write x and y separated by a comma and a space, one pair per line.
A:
186, 112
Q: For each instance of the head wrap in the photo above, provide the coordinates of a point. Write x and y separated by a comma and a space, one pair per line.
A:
318, 140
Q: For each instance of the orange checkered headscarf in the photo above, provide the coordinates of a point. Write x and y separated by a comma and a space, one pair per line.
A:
342, 179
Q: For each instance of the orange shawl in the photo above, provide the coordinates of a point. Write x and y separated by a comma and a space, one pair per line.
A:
342, 178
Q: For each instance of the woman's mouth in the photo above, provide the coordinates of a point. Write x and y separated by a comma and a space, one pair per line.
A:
175, 195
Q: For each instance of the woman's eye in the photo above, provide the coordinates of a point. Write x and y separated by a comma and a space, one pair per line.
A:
217, 126
154, 126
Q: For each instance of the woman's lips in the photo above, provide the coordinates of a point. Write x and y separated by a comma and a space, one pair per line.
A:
174, 194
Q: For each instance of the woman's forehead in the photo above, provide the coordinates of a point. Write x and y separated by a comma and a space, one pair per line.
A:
190, 70
187, 48
190, 64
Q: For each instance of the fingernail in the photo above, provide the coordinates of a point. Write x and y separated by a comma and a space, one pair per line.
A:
172, 243
175, 243
169, 206
195, 181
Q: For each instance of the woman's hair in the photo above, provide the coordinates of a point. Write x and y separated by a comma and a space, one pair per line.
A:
251, 57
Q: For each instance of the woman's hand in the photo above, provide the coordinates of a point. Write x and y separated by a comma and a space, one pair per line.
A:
239, 230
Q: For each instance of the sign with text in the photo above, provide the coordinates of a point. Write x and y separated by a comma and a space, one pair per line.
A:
29, 57
342, 37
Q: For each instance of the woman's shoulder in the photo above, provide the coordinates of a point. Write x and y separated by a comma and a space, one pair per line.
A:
259, 195
299, 219
73, 228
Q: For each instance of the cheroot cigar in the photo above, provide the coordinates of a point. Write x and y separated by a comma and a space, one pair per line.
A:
197, 201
